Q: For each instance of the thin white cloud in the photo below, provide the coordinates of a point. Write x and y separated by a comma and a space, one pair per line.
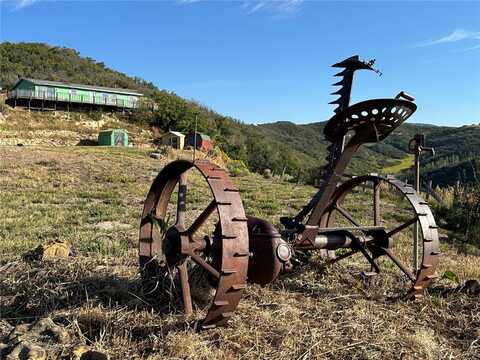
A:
20, 4
273, 6
455, 36
253, 8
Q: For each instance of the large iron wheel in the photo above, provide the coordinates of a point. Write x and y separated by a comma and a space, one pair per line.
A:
387, 211
179, 241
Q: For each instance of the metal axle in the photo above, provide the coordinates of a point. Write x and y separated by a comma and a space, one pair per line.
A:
339, 240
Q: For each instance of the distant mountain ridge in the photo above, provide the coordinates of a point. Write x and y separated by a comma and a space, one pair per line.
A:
284, 147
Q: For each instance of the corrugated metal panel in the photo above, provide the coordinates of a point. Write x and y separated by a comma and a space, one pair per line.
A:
205, 137
176, 133
105, 138
114, 137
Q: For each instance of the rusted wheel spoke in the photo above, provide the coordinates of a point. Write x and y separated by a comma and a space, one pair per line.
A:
186, 295
359, 247
401, 266
403, 226
376, 203
202, 218
346, 214
201, 262
181, 201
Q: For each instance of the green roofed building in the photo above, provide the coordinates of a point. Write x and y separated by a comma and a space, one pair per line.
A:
113, 137
44, 94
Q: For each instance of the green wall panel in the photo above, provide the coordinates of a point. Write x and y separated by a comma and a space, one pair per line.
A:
29, 89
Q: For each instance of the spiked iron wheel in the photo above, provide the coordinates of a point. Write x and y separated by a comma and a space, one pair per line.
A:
224, 256
385, 235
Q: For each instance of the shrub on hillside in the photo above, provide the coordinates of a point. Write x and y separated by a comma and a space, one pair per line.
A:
237, 168
462, 213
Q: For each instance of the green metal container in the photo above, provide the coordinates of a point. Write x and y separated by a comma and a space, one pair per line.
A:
113, 137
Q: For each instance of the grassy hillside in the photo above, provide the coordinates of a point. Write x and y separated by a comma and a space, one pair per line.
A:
92, 198
457, 150
240, 141
298, 150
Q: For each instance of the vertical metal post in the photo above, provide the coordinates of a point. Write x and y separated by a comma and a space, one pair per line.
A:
195, 138
417, 189
417, 147
182, 200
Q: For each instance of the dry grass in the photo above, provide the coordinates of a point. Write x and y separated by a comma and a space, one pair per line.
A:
315, 312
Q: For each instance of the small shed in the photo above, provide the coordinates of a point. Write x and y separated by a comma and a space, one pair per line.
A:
113, 137
202, 141
174, 139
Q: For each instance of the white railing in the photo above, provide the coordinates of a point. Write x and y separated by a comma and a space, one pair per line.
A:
82, 99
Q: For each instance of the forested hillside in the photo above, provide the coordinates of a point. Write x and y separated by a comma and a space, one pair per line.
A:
284, 147
457, 154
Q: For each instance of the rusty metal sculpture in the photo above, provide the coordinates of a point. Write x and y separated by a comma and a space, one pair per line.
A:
238, 249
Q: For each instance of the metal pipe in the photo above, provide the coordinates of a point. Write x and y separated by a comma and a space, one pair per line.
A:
332, 241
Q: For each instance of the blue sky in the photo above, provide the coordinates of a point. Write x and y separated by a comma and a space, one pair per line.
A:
264, 61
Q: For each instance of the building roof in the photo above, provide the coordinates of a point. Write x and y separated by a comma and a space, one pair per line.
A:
80, 86
110, 130
176, 133
202, 136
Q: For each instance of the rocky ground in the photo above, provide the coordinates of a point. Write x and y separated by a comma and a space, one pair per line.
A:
20, 126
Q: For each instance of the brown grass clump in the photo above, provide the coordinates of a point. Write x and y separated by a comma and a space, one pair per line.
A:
96, 296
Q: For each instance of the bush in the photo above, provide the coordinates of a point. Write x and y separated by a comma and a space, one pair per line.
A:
267, 173
462, 213
237, 168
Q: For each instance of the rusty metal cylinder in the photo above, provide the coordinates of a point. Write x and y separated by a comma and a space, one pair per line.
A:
269, 252
332, 241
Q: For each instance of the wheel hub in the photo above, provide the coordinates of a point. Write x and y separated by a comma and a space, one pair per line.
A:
380, 242
172, 246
